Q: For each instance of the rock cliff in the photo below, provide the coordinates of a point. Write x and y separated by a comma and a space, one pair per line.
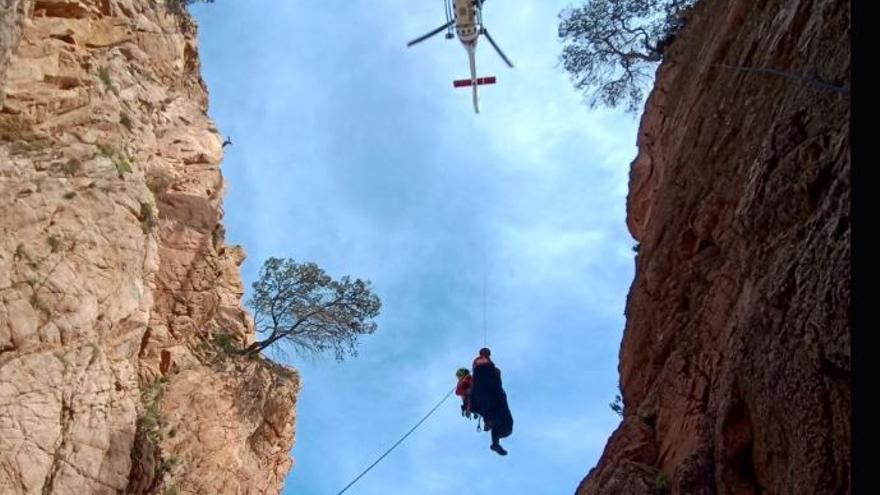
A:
735, 360
119, 300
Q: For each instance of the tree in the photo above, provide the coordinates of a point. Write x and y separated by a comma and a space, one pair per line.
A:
179, 7
299, 304
612, 46
617, 405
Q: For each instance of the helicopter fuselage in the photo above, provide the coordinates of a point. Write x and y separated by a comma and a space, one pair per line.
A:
466, 23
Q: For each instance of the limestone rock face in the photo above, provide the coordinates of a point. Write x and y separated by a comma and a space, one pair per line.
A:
735, 361
12, 13
119, 301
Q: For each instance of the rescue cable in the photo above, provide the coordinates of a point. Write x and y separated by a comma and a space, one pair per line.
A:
485, 326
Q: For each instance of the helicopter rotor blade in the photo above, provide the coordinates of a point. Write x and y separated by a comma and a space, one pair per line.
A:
432, 33
495, 46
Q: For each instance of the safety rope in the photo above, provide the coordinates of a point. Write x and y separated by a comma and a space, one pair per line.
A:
812, 81
398, 442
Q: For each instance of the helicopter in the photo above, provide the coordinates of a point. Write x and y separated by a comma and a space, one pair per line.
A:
467, 17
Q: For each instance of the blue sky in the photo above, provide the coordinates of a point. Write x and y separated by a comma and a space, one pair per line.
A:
355, 152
